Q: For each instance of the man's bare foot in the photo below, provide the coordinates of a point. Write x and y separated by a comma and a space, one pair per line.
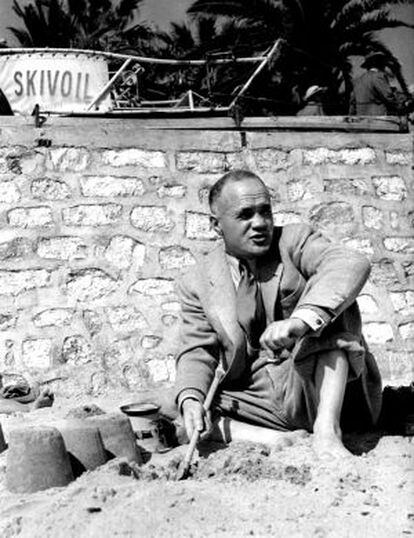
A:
45, 399
327, 442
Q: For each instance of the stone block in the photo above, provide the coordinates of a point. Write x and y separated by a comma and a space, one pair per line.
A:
30, 217
90, 285
92, 214
150, 341
391, 188
203, 195
372, 217
93, 321
37, 353
62, 248
395, 220
403, 302
134, 157
362, 245
383, 273
53, 317
151, 219
408, 269
346, 186
281, 218
338, 216
367, 305
239, 160
401, 158
109, 186
153, 286
350, 156
10, 161
299, 189
98, 382
171, 191
15, 249
401, 367
67, 159
126, 319
197, 226
168, 320
123, 250
201, 161
9, 192
378, 332
7, 321
400, 245
14, 282
159, 370
76, 350
49, 189
175, 257
271, 159
407, 330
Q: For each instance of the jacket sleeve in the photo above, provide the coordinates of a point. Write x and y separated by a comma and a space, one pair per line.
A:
199, 347
334, 274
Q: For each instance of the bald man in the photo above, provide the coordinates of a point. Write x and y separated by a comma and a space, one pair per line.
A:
276, 307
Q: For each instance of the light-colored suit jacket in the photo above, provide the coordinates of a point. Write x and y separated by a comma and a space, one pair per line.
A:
302, 269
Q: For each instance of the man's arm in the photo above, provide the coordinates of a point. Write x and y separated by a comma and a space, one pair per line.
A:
334, 277
334, 274
197, 359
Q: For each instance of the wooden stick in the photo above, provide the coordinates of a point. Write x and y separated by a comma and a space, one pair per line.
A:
185, 465
110, 83
256, 72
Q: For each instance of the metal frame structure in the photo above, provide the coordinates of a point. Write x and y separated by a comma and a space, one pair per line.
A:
159, 106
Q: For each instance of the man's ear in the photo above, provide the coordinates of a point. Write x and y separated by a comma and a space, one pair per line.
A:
215, 225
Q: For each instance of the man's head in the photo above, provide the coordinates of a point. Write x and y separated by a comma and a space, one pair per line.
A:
241, 213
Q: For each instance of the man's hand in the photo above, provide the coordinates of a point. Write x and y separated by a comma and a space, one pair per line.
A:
195, 417
282, 334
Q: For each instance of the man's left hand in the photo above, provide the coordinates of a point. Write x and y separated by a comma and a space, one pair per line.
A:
283, 334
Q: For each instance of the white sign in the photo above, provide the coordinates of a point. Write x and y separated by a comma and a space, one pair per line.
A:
63, 82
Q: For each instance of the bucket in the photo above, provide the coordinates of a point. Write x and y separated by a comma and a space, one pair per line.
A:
37, 459
117, 436
84, 445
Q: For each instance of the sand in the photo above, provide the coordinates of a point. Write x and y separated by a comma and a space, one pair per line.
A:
239, 490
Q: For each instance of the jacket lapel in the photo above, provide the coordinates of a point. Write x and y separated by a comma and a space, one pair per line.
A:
221, 296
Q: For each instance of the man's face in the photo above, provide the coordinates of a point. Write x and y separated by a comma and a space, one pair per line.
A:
243, 216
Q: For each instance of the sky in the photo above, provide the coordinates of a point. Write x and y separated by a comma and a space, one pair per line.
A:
161, 12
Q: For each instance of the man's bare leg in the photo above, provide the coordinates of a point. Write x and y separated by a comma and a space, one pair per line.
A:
330, 378
228, 429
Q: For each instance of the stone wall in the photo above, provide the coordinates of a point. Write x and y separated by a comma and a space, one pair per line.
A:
98, 217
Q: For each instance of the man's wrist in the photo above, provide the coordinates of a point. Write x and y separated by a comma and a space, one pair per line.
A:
315, 320
300, 327
186, 394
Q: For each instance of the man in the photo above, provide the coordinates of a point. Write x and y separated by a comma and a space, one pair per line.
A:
276, 306
372, 92
313, 101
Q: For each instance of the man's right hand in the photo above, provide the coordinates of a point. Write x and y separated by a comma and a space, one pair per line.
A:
194, 416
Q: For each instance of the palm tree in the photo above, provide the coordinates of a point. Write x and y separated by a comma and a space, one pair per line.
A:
321, 35
87, 24
46, 24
